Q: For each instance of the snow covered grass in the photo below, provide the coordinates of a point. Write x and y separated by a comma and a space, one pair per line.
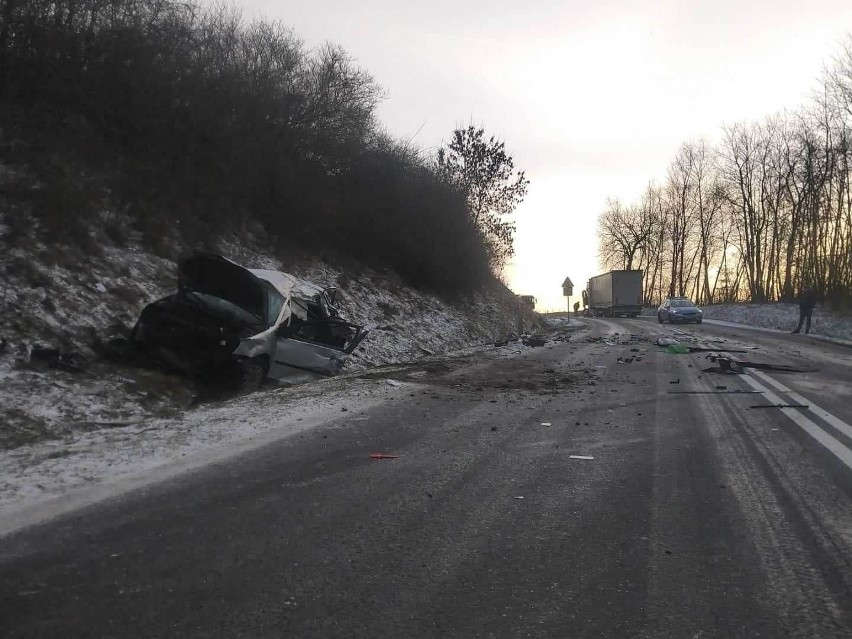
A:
51, 477
47, 478
62, 431
782, 317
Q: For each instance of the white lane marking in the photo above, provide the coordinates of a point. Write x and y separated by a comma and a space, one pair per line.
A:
835, 446
823, 414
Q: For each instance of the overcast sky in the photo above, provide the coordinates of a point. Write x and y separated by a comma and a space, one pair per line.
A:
592, 97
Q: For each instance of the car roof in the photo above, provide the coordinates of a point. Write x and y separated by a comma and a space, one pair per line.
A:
288, 285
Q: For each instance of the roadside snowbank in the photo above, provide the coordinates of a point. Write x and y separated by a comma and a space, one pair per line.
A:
48, 478
61, 298
52, 477
781, 317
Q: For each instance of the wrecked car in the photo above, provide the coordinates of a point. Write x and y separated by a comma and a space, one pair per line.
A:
254, 323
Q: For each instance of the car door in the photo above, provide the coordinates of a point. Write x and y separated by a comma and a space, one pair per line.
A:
318, 348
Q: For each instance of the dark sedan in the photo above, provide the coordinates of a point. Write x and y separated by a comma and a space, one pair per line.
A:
680, 310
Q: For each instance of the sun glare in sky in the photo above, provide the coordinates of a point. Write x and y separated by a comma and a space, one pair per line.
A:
593, 100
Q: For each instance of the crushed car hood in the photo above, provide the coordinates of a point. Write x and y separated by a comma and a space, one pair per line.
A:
215, 275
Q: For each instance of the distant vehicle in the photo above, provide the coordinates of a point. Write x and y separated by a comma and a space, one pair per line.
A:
615, 293
527, 301
679, 310
261, 323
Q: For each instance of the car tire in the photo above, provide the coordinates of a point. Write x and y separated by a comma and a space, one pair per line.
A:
698, 321
253, 374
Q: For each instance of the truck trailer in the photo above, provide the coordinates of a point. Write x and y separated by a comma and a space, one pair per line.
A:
615, 293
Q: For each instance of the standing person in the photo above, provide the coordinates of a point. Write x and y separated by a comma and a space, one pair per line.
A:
576, 308
807, 301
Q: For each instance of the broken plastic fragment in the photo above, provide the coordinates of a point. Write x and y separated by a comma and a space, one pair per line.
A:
546, 424
666, 341
394, 383
383, 456
580, 457
677, 349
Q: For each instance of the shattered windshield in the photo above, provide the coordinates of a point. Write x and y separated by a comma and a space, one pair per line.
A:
224, 308
237, 314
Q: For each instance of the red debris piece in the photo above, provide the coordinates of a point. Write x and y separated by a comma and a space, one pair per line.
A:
383, 456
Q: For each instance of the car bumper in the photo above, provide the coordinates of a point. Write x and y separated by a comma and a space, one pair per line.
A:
684, 319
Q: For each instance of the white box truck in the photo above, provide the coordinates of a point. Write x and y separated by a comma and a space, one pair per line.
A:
615, 293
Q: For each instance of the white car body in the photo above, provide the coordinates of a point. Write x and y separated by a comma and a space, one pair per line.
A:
271, 323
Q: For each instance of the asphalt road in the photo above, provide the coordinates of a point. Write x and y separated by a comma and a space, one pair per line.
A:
697, 516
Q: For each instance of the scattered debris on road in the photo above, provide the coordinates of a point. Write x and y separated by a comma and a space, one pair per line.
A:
728, 363
383, 456
677, 349
666, 341
713, 392
589, 457
780, 406
702, 349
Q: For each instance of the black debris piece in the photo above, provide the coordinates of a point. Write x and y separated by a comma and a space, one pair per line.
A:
738, 366
780, 406
713, 392
700, 349
54, 358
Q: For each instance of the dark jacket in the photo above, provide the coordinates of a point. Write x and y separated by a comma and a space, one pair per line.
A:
807, 300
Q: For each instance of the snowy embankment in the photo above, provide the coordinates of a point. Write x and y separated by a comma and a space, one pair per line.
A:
782, 317
59, 298
110, 424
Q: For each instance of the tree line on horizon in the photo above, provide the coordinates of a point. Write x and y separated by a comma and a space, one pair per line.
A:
185, 120
759, 216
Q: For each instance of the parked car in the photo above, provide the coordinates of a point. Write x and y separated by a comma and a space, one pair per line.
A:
261, 323
679, 309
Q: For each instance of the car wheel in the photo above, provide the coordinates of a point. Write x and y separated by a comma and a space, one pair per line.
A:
698, 322
254, 372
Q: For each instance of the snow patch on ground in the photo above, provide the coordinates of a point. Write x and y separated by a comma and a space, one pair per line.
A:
59, 297
50, 477
782, 317
64, 431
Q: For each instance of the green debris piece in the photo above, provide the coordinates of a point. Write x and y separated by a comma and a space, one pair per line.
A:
677, 349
